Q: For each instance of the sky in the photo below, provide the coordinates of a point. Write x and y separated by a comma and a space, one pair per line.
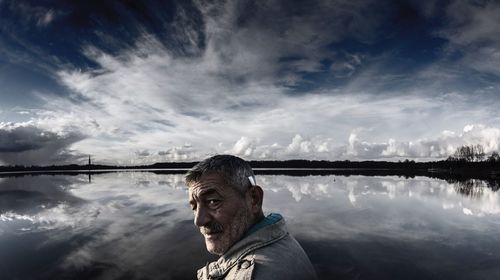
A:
138, 82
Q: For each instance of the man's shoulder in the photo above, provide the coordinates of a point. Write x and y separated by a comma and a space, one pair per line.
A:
285, 246
283, 259
267, 253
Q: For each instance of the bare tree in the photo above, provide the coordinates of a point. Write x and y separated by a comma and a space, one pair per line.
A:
478, 152
469, 153
494, 157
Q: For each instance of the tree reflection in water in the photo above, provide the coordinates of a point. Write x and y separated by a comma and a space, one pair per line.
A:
474, 187
138, 225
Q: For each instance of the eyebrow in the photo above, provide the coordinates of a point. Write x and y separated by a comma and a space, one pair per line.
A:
208, 192
203, 193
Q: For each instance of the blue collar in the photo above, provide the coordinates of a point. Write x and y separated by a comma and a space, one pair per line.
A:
267, 221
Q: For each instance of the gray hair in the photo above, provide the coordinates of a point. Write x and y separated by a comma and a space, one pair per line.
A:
235, 171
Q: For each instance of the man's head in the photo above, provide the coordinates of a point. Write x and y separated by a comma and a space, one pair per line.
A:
225, 200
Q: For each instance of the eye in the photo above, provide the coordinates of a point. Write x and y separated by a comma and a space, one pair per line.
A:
213, 203
193, 206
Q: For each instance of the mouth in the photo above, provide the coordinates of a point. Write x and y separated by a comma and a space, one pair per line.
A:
212, 235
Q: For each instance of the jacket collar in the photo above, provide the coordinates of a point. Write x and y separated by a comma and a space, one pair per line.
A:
257, 239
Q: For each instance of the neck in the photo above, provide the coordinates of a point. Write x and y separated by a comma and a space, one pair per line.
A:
259, 217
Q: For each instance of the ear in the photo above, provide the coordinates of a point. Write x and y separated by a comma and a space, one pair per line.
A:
255, 196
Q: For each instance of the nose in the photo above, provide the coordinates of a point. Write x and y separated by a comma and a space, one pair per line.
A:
202, 216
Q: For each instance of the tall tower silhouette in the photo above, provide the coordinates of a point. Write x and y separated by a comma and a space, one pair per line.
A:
90, 175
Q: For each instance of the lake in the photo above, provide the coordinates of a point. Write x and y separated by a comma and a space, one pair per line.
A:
138, 225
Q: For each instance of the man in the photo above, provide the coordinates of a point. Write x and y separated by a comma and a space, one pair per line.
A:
227, 207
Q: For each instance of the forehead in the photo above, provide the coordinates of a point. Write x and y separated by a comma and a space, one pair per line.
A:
208, 183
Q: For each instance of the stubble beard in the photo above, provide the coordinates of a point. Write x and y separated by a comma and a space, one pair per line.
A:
240, 223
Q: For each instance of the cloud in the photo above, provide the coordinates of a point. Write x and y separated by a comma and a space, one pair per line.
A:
278, 44
107, 211
299, 147
231, 85
142, 153
444, 144
473, 33
346, 67
355, 148
439, 147
179, 153
244, 147
473, 22
24, 143
46, 19
146, 99
26, 33
28, 14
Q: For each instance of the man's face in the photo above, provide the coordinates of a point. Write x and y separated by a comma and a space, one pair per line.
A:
220, 212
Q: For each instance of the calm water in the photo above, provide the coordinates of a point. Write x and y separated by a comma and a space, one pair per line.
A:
139, 226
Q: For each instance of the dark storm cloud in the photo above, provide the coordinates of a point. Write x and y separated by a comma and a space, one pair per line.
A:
21, 139
28, 144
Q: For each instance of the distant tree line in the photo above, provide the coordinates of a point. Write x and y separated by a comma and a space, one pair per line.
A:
494, 157
467, 161
473, 153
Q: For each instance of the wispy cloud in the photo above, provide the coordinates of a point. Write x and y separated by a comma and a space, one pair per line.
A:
29, 14
274, 84
473, 34
46, 19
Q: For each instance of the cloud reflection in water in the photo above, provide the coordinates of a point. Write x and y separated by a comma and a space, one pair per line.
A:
139, 226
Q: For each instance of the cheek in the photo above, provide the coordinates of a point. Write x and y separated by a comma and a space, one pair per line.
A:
220, 215
248, 204
225, 214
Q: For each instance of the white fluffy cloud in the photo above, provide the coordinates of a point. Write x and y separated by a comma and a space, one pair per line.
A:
439, 147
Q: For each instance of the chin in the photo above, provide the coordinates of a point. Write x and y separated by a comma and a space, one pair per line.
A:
215, 250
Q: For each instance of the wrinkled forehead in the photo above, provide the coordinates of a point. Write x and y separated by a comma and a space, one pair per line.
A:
208, 182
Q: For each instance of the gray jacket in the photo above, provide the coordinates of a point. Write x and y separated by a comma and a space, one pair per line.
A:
268, 253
